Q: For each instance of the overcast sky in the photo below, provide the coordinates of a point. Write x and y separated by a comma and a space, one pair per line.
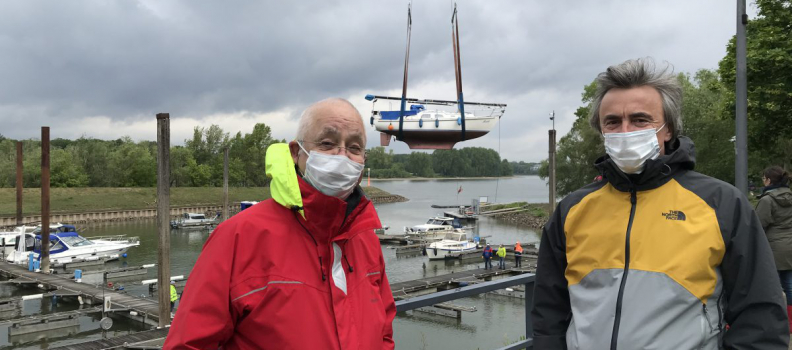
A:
103, 69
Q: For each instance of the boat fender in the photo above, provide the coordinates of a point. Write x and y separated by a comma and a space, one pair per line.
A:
424, 252
110, 284
420, 123
435, 251
390, 126
124, 255
372, 120
437, 123
459, 121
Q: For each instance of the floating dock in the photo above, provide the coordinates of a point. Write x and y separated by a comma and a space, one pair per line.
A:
139, 309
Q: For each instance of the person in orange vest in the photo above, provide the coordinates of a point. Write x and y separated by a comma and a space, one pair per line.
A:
518, 250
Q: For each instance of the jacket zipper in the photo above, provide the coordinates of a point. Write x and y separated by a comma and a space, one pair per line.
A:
705, 319
617, 319
720, 320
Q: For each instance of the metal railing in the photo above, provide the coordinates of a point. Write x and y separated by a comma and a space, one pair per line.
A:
526, 279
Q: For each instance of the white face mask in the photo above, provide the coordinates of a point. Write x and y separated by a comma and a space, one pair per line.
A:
333, 175
631, 150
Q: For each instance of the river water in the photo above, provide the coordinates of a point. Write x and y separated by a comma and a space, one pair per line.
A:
498, 320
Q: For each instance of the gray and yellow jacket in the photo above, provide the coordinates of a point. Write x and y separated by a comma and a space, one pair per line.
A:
664, 259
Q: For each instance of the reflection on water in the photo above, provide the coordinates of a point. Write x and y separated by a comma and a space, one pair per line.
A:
499, 320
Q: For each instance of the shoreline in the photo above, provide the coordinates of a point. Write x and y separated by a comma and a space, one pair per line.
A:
96, 204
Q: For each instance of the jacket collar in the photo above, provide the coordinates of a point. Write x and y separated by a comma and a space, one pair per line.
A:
656, 173
326, 217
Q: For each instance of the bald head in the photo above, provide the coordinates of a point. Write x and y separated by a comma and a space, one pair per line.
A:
329, 110
333, 120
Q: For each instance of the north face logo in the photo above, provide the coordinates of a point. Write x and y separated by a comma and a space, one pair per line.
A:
675, 215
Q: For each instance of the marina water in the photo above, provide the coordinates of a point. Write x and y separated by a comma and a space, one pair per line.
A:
498, 321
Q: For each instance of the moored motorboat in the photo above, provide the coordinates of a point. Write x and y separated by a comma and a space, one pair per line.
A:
67, 246
453, 245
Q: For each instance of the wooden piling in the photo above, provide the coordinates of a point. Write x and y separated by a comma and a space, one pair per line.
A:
19, 216
163, 216
225, 184
45, 198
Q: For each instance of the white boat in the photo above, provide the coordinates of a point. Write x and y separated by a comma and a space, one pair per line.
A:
67, 246
453, 245
435, 228
194, 220
8, 238
431, 129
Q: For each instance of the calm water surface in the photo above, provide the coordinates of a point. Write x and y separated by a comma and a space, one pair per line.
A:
498, 320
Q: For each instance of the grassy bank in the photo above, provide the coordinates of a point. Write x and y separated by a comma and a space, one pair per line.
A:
533, 215
76, 200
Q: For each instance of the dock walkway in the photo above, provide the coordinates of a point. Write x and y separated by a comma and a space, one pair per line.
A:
401, 289
147, 309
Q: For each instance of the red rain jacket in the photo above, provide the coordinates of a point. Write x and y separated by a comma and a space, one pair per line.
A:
258, 283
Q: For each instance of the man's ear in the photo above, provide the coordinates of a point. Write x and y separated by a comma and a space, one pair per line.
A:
294, 148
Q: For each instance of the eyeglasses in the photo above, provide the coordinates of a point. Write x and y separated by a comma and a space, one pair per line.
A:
354, 152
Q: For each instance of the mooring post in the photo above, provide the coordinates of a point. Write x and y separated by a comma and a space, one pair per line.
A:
225, 184
45, 198
19, 183
163, 216
529, 294
552, 168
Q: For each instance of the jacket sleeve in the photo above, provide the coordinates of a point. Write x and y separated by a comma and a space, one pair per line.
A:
386, 295
551, 312
755, 308
764, 209
204, 319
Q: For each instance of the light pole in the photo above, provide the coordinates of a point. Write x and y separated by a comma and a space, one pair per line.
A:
552, 164
741, 99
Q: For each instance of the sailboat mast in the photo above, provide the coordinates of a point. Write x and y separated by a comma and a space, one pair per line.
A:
406, 66
458, 68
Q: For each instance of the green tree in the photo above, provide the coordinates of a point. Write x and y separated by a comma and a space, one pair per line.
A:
65, 171
506, 168
420, 164
377, 158
577, 150
133, 165
711, 133
769, 71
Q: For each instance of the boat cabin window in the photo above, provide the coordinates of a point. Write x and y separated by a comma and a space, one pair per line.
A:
29, 244
426, 116
76, 241
198, 217
57, 246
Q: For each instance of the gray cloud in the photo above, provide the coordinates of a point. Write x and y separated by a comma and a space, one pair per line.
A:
61, 62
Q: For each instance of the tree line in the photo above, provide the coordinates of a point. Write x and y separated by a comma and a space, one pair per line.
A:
708, 110
89, 162
463, 162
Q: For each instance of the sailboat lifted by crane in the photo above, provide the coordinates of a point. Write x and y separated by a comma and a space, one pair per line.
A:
421, 128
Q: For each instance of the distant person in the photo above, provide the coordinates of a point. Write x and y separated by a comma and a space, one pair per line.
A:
304, 269
656, 255
518, 250
173, 295
487, 255
501, 257
775, 213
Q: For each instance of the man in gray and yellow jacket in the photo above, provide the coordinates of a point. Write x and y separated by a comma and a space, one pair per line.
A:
655, 255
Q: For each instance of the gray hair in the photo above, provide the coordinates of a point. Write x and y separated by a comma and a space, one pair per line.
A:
637, 73
307, 120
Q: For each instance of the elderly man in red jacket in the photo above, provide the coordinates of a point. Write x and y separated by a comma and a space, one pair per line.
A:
303, 270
